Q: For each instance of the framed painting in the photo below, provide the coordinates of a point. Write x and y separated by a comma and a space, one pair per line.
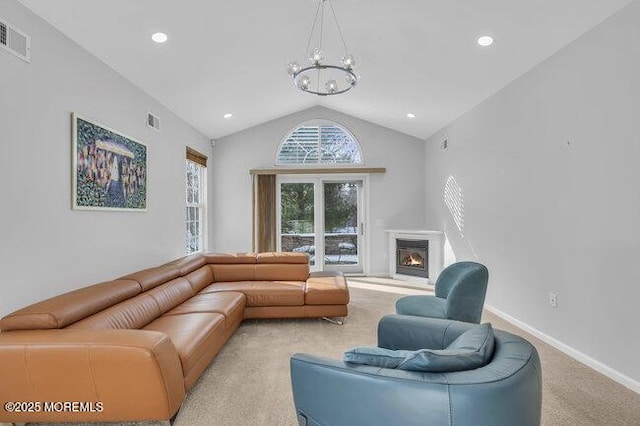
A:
109, 169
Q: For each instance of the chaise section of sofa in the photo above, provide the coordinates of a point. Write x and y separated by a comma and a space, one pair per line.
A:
130, 349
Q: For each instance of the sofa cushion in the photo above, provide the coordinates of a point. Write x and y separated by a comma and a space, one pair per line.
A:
133, 313
472, 349
225, 303
326, 288
264, 293
192, 334
65, 309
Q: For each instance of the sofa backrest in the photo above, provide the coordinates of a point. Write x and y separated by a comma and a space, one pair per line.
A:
188, 264
136, 299
170, 294
282, 267
200, 278
140, 310
67, 308
259, 267
232, 267
153, 277
133, 313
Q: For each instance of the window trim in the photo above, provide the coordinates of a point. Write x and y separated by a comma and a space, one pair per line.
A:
196, 157
203, 203
319, 122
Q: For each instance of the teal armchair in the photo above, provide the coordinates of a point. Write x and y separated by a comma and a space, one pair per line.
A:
459, 295
505, 392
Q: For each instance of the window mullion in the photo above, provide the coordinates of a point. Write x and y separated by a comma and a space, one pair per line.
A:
320, 144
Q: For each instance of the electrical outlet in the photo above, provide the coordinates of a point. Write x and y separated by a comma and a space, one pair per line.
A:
553, 300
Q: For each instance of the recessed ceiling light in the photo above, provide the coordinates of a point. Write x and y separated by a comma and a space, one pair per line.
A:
228, 115
159, 37
485, 41
411, 115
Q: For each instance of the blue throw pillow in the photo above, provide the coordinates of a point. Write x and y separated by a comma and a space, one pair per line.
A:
472, 349
479, 338
378, 357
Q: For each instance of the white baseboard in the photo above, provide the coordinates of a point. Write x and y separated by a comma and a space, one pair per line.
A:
615, 375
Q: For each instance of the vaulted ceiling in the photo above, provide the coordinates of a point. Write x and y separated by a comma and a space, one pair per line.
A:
414, 56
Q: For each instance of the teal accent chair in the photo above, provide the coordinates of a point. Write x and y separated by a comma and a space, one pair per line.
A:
460, 292
505, 392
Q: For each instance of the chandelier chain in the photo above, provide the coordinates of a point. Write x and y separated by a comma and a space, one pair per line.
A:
335, 18
313, 27
321, 25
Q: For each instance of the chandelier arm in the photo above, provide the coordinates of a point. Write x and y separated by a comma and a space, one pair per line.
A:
324, 67
346, 50
313, 27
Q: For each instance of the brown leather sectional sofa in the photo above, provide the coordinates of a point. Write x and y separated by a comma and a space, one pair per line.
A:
130, 349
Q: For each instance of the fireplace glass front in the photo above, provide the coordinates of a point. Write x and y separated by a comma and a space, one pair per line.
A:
412, 257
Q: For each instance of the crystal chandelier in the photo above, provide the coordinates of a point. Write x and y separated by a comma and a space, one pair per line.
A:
319, 78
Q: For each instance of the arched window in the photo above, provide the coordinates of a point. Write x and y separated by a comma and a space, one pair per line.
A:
319, 143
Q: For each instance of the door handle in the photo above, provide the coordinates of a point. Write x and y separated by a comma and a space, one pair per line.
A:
361, 228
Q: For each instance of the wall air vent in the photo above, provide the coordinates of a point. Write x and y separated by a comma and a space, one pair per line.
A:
15, 41
444, 144
153, 121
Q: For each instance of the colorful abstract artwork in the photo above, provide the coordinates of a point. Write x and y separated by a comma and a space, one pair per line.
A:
109, 168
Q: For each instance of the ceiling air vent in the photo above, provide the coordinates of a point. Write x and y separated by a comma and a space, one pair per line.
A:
15, 41
153, 121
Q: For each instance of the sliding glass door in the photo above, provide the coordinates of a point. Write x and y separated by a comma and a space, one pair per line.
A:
297, 218
324, 218
342, 225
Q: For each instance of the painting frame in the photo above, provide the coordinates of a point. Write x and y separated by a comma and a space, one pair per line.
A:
109, 169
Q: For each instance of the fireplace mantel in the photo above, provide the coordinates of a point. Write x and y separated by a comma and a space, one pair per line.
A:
435, 253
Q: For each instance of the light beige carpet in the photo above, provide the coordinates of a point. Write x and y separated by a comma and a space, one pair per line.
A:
248, 382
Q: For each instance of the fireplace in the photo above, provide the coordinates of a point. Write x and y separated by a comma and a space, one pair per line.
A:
412, 257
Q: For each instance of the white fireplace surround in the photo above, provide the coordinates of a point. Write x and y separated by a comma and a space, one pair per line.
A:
435, 254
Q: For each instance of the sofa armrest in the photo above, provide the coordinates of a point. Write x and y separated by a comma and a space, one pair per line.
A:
132, 374
330, 392
411, 333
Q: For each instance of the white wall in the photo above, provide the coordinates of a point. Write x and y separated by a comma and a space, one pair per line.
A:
46, 247
396, 197
549, 170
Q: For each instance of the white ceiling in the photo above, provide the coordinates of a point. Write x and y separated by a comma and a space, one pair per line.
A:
415, 56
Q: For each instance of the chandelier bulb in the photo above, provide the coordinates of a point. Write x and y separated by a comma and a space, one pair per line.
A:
316, 56
349, 61
351, 79
331, 86
293, 68
304, 83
